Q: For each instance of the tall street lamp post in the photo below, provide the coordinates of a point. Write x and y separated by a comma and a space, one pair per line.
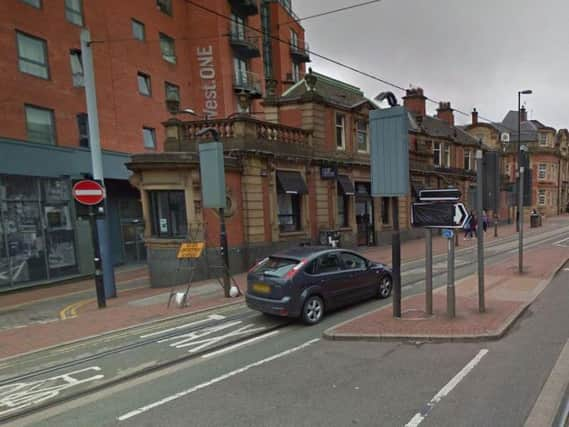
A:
520, 221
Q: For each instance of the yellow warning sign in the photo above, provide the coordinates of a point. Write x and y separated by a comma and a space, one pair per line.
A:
190, 250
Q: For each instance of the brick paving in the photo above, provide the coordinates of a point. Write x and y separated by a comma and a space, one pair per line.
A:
507, 296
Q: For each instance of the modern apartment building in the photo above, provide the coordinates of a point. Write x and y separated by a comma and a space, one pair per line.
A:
152, 58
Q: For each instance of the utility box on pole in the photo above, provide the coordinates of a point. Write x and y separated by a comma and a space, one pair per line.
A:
212, 172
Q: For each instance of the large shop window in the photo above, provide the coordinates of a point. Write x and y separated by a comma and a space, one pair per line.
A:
345, 190
37, 237
168, 209
290, 188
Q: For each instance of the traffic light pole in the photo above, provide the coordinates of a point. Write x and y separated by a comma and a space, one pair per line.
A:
480, 229
98, 264
396, 258
224, 252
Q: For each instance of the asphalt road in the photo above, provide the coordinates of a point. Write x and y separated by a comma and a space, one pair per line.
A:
272, 373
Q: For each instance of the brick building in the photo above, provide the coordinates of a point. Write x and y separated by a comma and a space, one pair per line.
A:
145, 54
547, 159
302, 171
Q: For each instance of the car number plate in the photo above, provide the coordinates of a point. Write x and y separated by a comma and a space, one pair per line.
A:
261, 288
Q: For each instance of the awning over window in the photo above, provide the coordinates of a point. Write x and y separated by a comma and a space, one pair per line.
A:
291, 182
346, 185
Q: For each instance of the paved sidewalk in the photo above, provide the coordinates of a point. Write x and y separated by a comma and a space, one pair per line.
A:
507, 296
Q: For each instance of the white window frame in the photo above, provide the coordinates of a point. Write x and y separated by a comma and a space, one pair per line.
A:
542, 171
293, 38
74, 12
51, 135
238, 24
76, 62
146, 89
33, 3
295, 72
542, 139
171, 91
447, 156
437, 154
362, 131
29, 65
340, 145
167, 48
541, 197
468, 155
136, 26
151, 133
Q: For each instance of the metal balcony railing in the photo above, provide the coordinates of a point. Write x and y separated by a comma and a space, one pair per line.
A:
244, 41
300, 54
248, 82
248, 7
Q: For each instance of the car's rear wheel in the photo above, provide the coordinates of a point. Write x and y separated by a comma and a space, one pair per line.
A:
312, 310
385, 286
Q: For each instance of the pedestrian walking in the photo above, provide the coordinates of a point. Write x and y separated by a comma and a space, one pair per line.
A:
470, 228
484, 220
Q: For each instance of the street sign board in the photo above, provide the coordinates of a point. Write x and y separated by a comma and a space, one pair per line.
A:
88, 192
439, 215
440, 195
190, 250
448, 233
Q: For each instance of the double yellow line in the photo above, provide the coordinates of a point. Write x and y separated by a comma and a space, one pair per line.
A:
70, 312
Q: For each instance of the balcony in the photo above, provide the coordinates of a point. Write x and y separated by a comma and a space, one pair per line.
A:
300, 54
241, 133
244, 42
248, 82
245, 7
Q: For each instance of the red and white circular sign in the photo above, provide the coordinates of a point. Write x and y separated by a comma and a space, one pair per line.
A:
88, 192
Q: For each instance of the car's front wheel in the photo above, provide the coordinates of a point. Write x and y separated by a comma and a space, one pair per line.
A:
385, 286
312, 310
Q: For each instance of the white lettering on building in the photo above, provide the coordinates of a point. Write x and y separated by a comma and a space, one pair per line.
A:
209, 84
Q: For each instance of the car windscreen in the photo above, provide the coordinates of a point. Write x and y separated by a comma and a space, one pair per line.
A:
277, 267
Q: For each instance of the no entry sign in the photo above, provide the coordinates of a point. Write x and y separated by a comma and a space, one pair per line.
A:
89, 193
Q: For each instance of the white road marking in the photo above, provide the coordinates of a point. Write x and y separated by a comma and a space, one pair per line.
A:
563, 243
187, 325
17, 396
420, 416
223, 377
239, 344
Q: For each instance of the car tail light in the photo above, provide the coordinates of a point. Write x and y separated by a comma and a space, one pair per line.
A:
292, 272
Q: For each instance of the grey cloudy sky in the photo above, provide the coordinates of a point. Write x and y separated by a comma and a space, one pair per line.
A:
473, 53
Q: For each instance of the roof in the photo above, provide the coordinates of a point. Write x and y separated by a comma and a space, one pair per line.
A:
331, 90
437, 128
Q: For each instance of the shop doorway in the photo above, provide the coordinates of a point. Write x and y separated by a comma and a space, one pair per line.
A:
364, 214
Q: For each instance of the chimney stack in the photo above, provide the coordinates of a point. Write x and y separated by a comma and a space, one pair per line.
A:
445, 113
474, 117
524, 114
415, 101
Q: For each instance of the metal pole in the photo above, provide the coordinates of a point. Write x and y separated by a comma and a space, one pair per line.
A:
99, 285
519, 157
451, 310
496, 218
521, 234
396, 259
97, 159
429, 271
224, 253
480, 230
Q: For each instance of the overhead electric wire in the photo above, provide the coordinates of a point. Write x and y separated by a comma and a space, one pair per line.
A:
330, 12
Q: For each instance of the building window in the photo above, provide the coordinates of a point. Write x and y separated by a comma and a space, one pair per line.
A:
437, 154
149, 137
76, 68
361, 134
34, 3
83, 128
32, 55
541, 197
241, 68
542, 138
168, 49
447, 156
138, 30
172, 92
295, 71
385, 210
542, 171
289, 212
237, 27
467, 159
293, 38
165, 6
144, 84
40, 125
74, 11
340, 131
168, 214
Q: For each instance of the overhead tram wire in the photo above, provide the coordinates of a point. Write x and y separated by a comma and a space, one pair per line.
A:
330, 12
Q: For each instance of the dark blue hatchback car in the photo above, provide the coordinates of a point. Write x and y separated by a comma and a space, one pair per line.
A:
307, 281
